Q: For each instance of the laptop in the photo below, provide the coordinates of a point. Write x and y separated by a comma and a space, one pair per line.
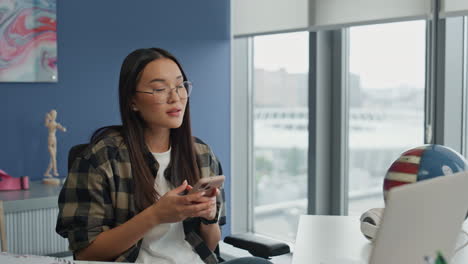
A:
422, 220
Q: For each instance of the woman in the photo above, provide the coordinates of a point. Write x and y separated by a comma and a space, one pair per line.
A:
123, 198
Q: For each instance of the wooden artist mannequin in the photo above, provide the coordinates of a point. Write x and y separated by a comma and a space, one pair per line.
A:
52, 125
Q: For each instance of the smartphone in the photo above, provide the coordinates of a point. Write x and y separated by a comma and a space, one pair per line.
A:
207, 184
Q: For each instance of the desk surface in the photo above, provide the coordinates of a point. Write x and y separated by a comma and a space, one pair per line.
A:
32, 259
338, 239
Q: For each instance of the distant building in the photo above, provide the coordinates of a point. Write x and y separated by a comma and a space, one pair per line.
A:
280, 88
382, 124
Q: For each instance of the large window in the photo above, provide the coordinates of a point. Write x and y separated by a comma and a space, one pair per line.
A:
280, 145
376, 91
386, 104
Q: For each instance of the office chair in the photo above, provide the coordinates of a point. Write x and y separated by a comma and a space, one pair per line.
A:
255, 245
2, 228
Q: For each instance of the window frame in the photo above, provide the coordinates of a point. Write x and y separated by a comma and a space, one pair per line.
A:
241, 136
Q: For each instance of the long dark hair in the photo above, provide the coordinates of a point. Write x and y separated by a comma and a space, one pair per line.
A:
183, 163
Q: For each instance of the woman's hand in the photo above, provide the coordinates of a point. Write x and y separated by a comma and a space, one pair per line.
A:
173, 207
209, 213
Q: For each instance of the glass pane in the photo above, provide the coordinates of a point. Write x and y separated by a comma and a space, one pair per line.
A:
386, 100
280, 133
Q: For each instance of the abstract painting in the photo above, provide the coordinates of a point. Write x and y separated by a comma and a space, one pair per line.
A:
28, 41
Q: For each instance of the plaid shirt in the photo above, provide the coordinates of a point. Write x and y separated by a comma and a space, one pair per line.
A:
98, 195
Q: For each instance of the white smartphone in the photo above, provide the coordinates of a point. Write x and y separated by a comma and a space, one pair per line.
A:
207, 184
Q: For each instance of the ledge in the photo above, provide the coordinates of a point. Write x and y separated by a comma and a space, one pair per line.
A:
39, 196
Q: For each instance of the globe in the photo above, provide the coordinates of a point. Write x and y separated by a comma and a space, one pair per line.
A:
422, 163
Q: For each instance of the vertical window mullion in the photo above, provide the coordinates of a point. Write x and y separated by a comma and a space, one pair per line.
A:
465, 89
240, 135
250, 154
327, 119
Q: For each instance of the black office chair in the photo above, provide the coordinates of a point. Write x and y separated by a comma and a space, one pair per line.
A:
255, 245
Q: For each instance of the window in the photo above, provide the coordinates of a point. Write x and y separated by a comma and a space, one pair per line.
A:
375, 93
386, 85
280, 145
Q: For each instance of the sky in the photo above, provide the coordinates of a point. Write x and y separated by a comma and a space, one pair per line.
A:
383, 55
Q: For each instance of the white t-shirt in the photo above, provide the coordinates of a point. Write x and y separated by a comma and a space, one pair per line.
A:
166, 243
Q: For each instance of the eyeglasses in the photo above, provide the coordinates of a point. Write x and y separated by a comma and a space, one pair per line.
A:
161, 95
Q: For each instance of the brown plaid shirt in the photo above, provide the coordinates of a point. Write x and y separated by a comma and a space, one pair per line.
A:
98, 195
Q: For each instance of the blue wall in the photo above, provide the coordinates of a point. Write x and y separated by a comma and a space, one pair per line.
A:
93, 39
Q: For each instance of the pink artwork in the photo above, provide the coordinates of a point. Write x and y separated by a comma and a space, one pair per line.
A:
28, 41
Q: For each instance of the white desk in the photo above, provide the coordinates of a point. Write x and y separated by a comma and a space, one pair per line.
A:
338, 239
11, 258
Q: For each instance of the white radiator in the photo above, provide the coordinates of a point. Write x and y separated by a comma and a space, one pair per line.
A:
33, 232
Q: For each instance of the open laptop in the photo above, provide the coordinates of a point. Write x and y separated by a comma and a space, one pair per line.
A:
422, 219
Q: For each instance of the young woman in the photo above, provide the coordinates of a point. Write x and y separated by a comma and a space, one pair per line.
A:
124, 198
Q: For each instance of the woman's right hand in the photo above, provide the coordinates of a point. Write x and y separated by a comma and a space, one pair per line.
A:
173, 207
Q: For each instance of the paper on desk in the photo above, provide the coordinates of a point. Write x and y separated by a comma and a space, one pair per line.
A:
30, 259
11, 258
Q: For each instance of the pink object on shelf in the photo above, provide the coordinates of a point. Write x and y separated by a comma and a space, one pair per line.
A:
8, 183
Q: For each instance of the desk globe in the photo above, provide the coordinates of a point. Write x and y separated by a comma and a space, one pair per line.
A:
422, 163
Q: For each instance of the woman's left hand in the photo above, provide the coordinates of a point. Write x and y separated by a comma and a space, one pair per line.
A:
210, 213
